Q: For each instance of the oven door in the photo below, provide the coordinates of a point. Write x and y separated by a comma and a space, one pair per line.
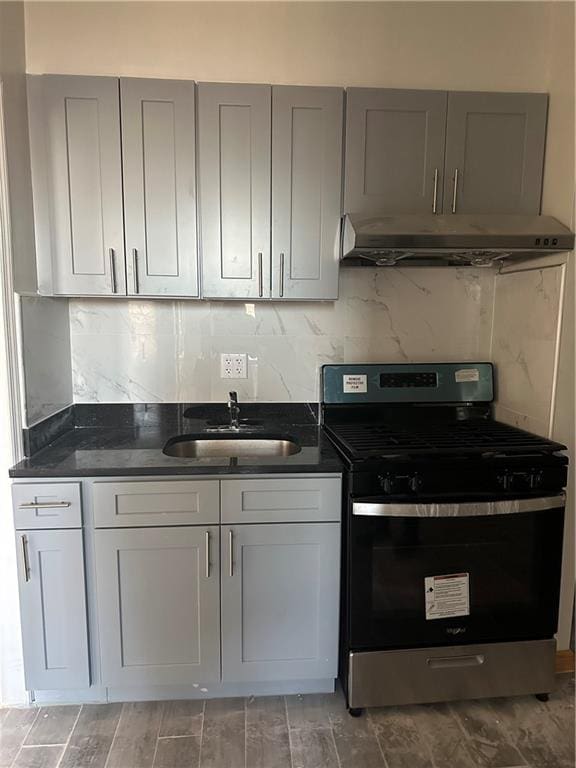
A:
421, 574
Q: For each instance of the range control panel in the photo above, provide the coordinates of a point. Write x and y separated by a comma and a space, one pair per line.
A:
408, 383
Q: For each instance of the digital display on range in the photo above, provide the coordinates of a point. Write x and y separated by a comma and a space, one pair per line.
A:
402, 380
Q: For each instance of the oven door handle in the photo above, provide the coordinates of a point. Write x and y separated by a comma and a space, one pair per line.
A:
457, 509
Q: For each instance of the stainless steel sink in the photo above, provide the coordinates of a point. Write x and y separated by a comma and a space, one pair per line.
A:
228, 446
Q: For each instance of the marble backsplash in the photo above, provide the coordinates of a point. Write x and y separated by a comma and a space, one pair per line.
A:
525, 337
45, 356
168, 351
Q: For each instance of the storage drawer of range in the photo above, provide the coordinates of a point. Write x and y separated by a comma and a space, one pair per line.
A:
425, 675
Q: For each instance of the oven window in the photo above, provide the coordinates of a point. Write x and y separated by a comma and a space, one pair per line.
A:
513, 564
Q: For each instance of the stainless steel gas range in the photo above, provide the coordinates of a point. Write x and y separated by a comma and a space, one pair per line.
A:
453, 537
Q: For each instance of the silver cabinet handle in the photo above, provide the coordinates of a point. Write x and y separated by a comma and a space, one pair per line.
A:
230, 553
435, 200
24, 540
112, 269
260, 277
455, 191
135, 270
281, 275
44, 505
270, 273
207, 542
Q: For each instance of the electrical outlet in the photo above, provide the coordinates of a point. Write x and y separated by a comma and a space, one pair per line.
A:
233, 366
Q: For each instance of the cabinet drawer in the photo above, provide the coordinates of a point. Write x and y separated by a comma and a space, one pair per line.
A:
46, 505
128, 504
281, 501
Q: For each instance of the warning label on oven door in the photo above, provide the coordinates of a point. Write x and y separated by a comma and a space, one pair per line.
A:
447, 596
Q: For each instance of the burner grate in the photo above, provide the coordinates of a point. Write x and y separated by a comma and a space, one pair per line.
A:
366, 440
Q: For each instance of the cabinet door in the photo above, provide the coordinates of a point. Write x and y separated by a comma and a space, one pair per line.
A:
158, 605
495, 152
82, 135
234, 175
158, 144
394, 150
280, 595
306, 191
53, 609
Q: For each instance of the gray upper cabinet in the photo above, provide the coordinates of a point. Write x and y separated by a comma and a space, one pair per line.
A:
495, 152
53, 609
394, 150
158, 143
81, 167
280, 588
307, 125
234, 189
158, 600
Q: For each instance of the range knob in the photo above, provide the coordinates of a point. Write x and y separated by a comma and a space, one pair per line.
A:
400, 483
536, 479
520, 481
415, 482
387, 482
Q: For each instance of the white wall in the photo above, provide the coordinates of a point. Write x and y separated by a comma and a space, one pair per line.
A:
533, 325
467, 45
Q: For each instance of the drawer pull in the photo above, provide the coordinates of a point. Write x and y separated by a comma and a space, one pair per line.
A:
45, 505
24, 540
447, 662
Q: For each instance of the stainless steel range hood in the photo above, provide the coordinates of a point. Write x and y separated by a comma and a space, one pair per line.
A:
452, 240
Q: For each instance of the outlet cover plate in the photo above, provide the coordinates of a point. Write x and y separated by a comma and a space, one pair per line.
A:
233, 365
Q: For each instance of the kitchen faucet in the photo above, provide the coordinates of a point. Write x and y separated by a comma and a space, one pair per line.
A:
234, 409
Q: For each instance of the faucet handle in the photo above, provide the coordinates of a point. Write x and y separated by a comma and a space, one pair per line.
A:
233, 397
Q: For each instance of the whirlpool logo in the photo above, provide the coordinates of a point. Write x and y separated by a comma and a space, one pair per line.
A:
455, 630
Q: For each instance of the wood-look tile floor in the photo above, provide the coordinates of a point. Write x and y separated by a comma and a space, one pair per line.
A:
293, 732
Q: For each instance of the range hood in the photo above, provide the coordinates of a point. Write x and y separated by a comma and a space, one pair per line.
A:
452, 240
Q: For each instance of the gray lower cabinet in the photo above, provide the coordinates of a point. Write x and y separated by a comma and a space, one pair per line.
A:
53, 609
158, 598
77, 174
394, 150
159, 169
218, 581
306, 191
234, 189
495, 152
280, 587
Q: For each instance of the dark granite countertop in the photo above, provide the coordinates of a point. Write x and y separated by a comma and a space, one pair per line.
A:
126, 440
